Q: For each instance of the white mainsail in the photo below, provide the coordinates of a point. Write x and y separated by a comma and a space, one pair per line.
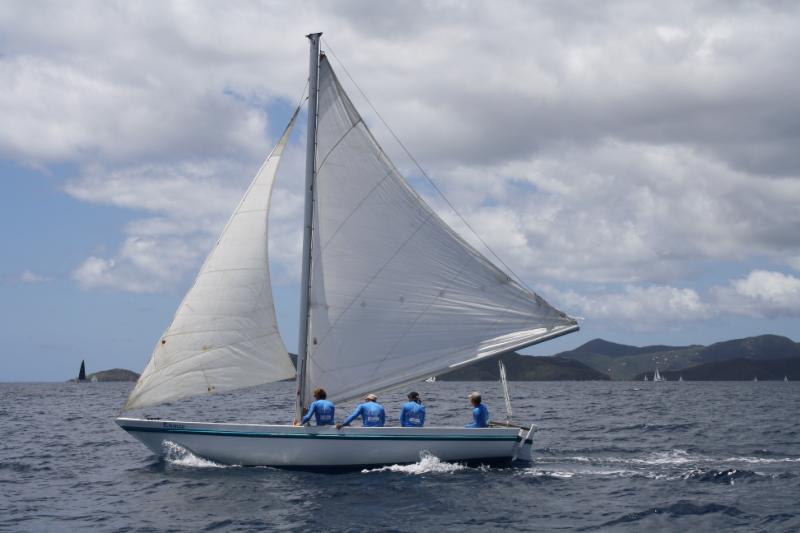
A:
224, 335
396, 295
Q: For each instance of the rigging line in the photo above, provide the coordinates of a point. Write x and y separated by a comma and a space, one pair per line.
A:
425, 174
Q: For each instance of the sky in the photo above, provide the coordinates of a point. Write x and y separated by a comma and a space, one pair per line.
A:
636, 164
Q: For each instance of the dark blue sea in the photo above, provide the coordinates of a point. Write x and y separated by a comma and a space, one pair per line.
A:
616, 456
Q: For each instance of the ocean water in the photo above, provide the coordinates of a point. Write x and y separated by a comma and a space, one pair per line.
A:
610, 456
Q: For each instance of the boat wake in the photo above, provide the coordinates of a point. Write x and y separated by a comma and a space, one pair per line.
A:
668, 465
177, 455
428, 464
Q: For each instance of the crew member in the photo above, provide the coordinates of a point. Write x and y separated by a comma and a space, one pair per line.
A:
321, 408
371, 412
413, 413
480, 414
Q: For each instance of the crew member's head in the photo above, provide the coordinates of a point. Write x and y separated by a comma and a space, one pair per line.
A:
413, 396
320, 394
475, 398
371, 398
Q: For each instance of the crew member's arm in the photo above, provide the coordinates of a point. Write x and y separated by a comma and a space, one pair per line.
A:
351, 417
309, 414
476, 421
404, 417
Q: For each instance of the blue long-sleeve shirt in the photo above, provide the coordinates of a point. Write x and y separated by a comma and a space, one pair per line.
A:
412, 415
323, 410
372, 415
480, 417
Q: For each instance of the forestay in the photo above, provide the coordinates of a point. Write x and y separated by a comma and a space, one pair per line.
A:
396, 295
224, 335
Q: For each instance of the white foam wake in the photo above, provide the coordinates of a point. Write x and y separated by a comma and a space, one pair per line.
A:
177, 455
428, 464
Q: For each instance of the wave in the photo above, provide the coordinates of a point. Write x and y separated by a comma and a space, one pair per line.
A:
675, 456
653, 427
678, 509
428, 464
727, 477
177, 455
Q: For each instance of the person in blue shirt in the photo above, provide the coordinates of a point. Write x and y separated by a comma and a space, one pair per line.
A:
413, 413
480, 414
371, 412
322, 409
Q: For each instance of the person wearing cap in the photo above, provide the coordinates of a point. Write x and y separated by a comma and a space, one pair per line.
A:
321, 408
480, 414
413, 413
371, 412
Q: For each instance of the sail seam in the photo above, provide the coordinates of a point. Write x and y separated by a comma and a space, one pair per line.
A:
353, 211
377, 273
333, 148
422, 170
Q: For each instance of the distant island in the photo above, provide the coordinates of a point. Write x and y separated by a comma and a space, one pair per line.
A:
115, 374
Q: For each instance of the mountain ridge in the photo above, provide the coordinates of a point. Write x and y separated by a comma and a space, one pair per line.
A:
623, 362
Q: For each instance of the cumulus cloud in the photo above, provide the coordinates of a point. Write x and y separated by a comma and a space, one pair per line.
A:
639, 307
185, 207
762, 294
621, 147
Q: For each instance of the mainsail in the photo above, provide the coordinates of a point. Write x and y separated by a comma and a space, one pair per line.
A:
224, 335
396, 295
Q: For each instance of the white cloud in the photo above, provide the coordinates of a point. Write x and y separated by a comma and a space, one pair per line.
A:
32, 278
186, 206
643, 308
190, 203
761, 294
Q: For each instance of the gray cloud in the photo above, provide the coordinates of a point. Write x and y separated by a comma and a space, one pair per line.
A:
589, 143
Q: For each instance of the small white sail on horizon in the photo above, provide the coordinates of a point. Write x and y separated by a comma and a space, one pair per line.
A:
657, 376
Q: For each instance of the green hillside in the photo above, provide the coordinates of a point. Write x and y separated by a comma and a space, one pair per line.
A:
622, 362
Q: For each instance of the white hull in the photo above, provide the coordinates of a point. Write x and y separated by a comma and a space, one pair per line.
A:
319, 447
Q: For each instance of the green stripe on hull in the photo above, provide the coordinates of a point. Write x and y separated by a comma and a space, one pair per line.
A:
343, 436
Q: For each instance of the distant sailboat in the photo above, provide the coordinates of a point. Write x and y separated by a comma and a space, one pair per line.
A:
658, 377
680, 378
785, 379
431, 379
82, 372
755, 378
645, 378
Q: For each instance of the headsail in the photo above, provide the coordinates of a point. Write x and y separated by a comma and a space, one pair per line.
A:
396, 294
224, 335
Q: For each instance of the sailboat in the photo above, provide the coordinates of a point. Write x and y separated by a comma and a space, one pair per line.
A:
82, 371
658, 377
390, 295
645, 378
